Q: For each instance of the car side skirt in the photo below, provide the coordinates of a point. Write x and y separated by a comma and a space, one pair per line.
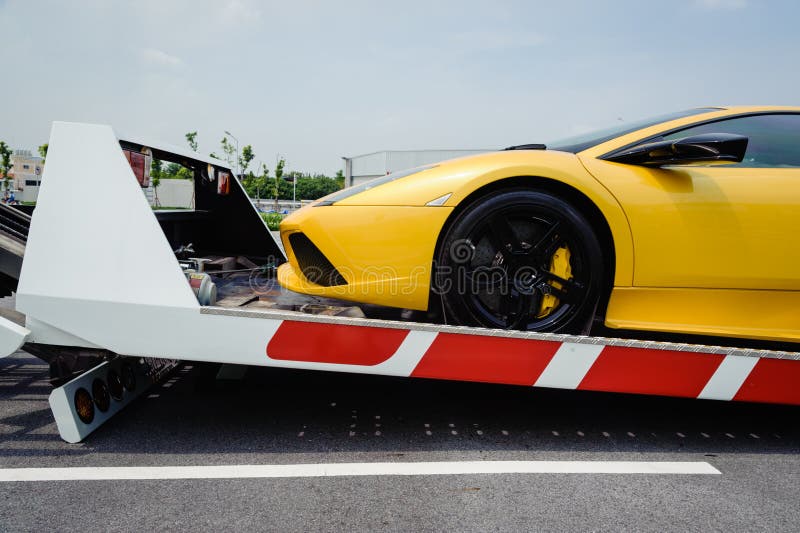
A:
755, 314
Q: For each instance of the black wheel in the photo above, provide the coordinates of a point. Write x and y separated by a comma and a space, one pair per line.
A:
519, 259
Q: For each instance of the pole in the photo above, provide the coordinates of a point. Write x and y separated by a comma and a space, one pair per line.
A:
237, 153
258, 189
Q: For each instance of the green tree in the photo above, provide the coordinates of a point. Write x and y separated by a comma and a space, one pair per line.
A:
278, 175
250, 184
229, 150
245, 158
43, 150
168, 172
262, 185
258, 185
156, 169
191, 138
5, 163
315, 187
174, 171
285, 190
340, 179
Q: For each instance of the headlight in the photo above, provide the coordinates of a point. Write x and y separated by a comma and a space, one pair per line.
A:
352, 191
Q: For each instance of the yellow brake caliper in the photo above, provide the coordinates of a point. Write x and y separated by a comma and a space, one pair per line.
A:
559, 265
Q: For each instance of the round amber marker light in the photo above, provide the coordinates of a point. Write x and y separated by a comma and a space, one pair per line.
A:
84, 405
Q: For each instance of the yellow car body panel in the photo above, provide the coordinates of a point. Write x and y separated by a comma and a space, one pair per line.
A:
707, 249
389, 228
383, 252
715, 244
753, 314
721, 227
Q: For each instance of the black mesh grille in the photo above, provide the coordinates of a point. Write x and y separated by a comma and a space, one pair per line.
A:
313, 264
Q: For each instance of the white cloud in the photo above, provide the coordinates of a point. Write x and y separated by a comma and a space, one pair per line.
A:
157, 57
237, 12
721, 4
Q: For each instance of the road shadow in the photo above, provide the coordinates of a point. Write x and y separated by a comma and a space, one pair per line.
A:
290, 411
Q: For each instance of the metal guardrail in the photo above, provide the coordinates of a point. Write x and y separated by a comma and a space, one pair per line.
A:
14, 223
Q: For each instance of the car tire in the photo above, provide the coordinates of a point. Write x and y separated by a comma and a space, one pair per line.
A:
519, 259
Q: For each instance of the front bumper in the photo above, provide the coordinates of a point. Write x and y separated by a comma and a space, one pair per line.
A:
383, 253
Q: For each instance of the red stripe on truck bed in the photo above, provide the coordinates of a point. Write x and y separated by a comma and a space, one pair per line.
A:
772, 381
487, 359
651, 371
334, 343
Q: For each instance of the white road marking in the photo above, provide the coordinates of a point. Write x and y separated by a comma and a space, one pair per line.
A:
728, 378
354, 469
569, 365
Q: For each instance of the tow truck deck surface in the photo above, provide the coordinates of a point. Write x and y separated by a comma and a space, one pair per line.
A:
105, 281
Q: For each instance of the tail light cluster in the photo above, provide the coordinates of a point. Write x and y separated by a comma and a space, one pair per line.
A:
104, 390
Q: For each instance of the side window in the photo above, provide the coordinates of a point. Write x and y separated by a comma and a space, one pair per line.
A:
774, 139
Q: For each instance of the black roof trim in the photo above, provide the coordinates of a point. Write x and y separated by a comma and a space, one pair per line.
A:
526, 147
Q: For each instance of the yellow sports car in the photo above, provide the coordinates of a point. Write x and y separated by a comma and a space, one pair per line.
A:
688, 222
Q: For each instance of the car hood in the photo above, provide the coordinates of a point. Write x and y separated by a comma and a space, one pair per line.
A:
460, 177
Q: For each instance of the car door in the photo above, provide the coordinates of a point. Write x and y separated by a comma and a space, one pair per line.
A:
717, 226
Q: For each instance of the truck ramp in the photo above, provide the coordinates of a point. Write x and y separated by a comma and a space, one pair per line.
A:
14, 226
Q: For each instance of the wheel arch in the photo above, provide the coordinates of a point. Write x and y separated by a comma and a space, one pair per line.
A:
585, 205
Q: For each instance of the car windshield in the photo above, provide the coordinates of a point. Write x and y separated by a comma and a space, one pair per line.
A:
579, 143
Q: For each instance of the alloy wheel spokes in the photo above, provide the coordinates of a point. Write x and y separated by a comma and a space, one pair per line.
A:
502, 235
570, 290
485, 278
526, 304
509, 280
549, 242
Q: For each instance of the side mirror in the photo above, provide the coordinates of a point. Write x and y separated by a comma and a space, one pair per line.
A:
694, 149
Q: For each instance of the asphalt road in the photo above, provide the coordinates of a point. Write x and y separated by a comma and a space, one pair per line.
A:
289, 417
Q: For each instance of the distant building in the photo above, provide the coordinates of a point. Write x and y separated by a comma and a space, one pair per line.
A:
27, 175
361, 168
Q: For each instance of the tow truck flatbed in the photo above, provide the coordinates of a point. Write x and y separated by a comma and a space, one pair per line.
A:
106, 280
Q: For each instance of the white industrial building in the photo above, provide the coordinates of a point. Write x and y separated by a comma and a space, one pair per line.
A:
27, 175
361, 168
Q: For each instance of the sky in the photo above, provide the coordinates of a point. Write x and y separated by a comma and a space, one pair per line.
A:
313, 81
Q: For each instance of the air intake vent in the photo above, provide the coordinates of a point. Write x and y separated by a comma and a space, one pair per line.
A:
313, 264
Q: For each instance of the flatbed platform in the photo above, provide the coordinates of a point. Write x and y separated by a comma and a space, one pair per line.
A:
114, 281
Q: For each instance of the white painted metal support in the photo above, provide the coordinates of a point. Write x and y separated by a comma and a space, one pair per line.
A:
62, 400
12, 337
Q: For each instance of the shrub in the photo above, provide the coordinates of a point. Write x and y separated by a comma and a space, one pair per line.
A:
272, 220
